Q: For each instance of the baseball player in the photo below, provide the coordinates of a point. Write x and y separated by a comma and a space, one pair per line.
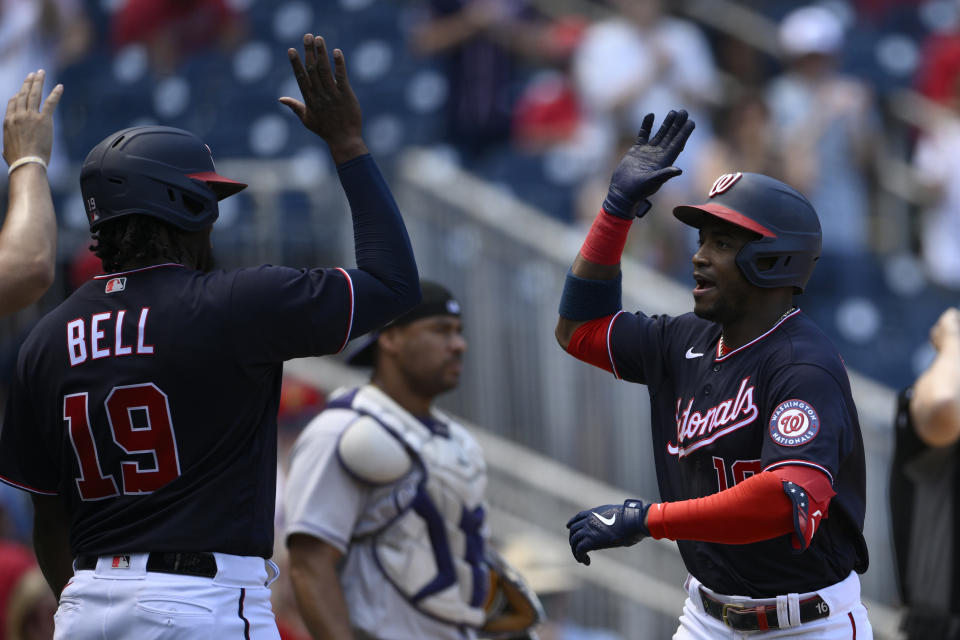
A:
143, 413
28, 239
925, 488
757, 445
384, 499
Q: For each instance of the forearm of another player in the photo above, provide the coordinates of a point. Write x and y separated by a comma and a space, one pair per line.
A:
316, 585
935, 406
28, 240
51, 541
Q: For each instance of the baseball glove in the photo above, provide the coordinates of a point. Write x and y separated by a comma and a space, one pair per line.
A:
513, 609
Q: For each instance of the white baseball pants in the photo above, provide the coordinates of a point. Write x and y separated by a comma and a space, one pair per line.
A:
127, 601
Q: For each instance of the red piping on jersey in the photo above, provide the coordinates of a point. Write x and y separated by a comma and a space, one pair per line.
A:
755, 340
123, 273
613, 366
853, 624
350, 320
801, 463
27, 487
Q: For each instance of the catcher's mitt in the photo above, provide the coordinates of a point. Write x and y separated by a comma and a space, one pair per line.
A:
513, 609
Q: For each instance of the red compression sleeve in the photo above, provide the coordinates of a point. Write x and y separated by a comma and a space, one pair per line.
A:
753, 510
589, 343
606, 239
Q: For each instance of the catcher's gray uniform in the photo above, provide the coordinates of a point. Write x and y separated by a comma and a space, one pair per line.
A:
402, 498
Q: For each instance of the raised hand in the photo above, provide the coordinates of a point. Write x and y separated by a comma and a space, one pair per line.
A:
28, 126
647, 165
946, 329
607, 526
329, 108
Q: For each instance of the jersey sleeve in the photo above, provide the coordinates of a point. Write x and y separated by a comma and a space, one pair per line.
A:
637, 344
279, 313
321, 498
28, 460
811, 422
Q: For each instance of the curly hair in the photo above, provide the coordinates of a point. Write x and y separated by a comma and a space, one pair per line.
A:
137, 239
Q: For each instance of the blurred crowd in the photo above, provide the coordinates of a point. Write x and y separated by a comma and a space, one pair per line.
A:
853, 103
856, 104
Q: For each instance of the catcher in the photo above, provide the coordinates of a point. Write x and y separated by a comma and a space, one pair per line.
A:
384, 501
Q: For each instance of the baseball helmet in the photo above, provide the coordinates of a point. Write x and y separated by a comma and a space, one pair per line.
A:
786, 222
162, 172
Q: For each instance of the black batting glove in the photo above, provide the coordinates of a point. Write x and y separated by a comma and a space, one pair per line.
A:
647, 165
607, 526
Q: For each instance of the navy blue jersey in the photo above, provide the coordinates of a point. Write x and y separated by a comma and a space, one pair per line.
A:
148, 401
782, 399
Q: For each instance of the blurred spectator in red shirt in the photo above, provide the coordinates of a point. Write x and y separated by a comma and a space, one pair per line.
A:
940, 66
173, 29
547, 112
26, 603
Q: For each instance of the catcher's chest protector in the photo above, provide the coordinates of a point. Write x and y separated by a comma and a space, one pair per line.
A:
428, 528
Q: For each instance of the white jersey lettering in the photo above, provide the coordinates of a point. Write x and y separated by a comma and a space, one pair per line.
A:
695, 429
98, 344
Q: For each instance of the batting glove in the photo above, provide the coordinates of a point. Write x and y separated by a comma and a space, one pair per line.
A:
647, 165
607, 526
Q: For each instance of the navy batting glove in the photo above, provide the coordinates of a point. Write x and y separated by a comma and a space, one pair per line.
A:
607, 526
647, 165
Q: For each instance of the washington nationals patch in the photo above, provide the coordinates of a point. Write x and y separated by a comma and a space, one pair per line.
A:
794, 423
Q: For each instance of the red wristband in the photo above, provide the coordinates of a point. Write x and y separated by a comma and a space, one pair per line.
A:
606, 239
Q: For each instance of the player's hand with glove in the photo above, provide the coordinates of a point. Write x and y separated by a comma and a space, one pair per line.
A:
329, 108
607, 526
647, 165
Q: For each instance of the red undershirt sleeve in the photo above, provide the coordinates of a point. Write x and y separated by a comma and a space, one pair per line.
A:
589, 343
759, 508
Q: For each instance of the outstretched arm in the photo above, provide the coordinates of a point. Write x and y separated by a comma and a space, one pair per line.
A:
788, 500
592, 289
387, 283
935, 406
28, 239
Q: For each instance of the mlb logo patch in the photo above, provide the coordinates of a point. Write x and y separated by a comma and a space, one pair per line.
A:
116, 284
120, 562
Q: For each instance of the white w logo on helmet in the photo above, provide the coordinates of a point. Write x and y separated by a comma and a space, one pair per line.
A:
723, 183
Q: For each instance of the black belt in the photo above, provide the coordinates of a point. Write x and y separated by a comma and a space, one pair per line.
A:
743, 618
199, 564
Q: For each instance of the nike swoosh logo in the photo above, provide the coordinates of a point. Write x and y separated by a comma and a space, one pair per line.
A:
691, 354
607, 521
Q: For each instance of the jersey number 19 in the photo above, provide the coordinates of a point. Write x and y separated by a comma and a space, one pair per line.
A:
153, 437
